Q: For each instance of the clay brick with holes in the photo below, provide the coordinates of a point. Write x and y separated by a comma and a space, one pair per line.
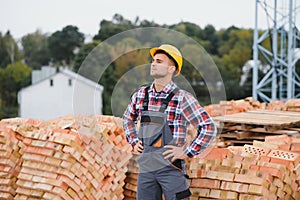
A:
250, 149
284, 157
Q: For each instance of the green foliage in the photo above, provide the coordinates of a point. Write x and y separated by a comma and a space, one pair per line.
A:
12, 79
35, 49
110, 28
9, 51
83, 52
62, 44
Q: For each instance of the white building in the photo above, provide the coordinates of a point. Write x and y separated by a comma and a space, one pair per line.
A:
55, 94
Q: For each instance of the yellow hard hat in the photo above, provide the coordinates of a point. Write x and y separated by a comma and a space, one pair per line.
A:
172, 51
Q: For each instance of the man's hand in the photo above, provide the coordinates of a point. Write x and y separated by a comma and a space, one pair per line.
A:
173, 153
138, 148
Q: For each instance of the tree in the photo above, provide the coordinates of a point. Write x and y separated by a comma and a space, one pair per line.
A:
83, 53
12, 79
62, 44
35, 49
9, 51
209, 34
239, 42
111, 28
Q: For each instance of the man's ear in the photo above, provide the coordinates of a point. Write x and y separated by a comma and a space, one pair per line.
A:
173, 68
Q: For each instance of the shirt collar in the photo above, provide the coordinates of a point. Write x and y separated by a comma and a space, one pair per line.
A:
167, 89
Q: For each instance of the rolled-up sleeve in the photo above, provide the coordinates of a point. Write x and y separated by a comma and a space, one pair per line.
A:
200, 119
129, 121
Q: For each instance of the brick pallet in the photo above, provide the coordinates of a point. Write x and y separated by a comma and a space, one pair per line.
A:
73, 157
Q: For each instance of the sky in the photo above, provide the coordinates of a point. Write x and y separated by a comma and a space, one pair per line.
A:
21, 17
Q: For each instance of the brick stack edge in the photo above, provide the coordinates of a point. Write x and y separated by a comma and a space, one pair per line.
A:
74, 157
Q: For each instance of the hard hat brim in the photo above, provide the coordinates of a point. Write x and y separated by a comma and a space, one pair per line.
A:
153, 50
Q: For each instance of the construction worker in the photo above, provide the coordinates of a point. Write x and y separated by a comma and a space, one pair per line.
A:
164, 112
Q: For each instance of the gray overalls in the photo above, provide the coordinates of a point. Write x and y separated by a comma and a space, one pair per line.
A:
156, 174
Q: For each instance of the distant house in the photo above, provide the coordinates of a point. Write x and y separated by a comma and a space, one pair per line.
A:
55, 93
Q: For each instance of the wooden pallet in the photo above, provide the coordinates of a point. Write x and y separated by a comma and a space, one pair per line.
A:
243, 128
269, 120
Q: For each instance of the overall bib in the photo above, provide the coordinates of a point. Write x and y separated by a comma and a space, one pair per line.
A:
156, 174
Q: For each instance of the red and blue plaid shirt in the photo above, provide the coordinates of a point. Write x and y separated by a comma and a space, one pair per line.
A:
182, 110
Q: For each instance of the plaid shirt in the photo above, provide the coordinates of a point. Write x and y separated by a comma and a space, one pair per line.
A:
182, 110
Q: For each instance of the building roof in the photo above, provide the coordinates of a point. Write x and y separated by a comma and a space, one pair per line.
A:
63, 70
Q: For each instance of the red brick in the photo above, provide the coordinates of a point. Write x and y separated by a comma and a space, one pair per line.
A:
217, 153
229, 195
219, 175
295, 147
254, 167
258, 190
273, 171
205, 183
278, 139
6, 196
69, 182
40, 151
231, 163
265, 158
232, 186
61, 193
277, 182
284, 147
281, 194
196, 173
245, 178
287, 189
215, 194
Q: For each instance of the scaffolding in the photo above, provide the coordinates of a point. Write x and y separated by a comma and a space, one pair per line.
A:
278, 48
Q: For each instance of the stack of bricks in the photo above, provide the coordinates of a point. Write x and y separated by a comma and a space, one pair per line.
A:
10, 162
130, 186
276, 105
234, 106
73, 157
248, 172
293, 105
247, 104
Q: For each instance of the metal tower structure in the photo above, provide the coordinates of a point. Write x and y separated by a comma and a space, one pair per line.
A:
277, 48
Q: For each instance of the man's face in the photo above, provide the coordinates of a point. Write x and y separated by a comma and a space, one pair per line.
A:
160, 66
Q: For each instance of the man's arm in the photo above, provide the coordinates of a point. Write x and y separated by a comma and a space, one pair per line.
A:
200, 119
129, 121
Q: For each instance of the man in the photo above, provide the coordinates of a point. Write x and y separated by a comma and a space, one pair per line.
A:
164, 112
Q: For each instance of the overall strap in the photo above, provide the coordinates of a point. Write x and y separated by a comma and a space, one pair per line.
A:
146, 99
167, 100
